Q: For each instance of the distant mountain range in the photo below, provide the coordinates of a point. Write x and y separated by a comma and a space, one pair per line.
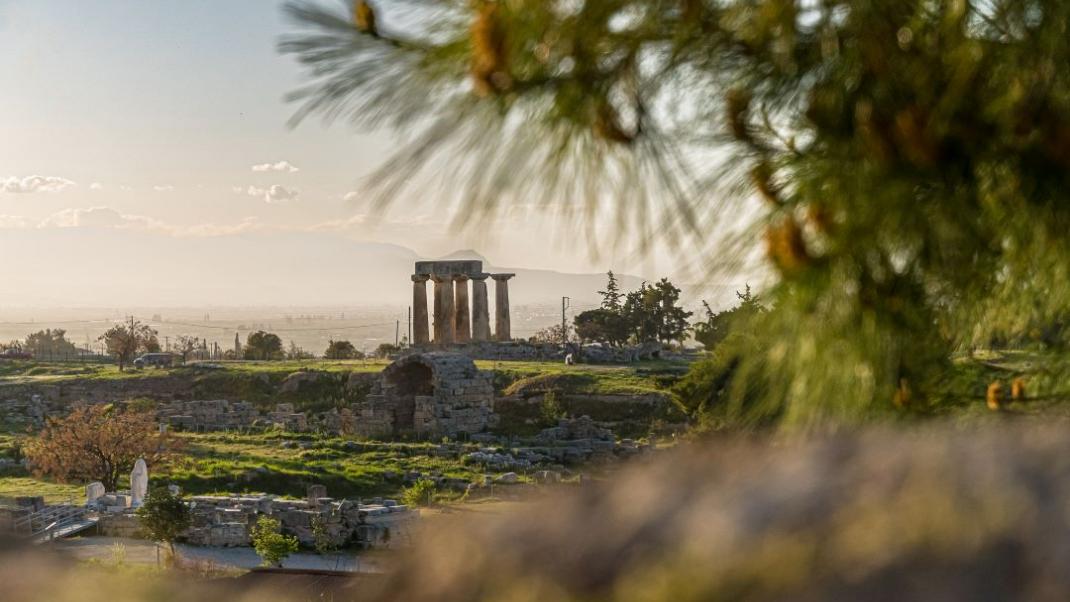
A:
79, 267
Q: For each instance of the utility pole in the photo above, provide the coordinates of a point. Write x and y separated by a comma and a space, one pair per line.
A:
166, 343
565, 303
397, 332
410, 326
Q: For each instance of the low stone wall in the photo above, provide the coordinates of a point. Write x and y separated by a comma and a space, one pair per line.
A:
207, 415
227, 521
595, 353
120, 524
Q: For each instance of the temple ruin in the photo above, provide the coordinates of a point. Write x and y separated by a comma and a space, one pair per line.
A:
459, 317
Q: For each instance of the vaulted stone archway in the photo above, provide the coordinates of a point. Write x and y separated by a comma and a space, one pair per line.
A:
429, 394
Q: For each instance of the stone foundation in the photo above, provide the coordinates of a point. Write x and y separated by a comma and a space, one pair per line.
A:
428, 394
227, 521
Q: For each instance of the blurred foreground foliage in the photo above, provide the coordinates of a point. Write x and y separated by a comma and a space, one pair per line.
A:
904, 162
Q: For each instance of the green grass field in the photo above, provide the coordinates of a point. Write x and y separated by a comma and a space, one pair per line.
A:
222, 462
11, 487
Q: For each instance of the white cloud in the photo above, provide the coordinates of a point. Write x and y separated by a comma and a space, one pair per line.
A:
351, 196
249, 224
29, 184
13, 221
109, 218
163, 188
96, 186
275, 194
100, 217
285, 166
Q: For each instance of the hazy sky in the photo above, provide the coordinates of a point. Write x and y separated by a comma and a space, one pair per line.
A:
121, 116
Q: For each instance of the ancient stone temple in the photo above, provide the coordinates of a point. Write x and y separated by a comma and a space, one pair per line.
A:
430, 394
459, 316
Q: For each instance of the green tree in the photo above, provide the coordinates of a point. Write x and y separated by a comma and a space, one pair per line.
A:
601, 325
653, 314
262, 345
718, 325
270, 544
49, 342
324, 543
164, 517
905, 161
295, 352
340, 350
671, 319
129, 338
385, 350
612, 298
185, 345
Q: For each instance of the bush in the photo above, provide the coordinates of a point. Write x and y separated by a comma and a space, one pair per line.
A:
270, 544
422, 493
550, 409
164, 516
722, 388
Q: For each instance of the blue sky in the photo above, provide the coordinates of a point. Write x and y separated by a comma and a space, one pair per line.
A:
140, 115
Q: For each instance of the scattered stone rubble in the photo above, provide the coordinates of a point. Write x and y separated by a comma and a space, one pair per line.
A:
569, 429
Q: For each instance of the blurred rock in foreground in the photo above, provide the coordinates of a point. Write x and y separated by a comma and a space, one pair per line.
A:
934, 513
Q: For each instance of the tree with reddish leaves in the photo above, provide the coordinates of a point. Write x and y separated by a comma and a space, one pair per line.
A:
99, 443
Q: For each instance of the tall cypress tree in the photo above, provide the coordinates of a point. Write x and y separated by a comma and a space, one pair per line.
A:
612, 298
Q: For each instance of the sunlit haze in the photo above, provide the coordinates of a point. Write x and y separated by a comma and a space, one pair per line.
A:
145, 160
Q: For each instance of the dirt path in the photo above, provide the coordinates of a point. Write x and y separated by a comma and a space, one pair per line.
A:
138, 551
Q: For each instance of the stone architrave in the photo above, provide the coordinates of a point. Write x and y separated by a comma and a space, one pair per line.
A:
462, 322
139, 483
420, 334
94, 491
444, 317
502, 327
480, 308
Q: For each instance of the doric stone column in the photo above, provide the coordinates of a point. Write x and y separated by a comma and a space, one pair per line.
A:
462, 322
443, 309
420, 336
502, 330
480, 308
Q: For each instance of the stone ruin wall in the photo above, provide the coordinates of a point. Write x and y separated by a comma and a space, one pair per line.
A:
222, 415
228, 521
460, 401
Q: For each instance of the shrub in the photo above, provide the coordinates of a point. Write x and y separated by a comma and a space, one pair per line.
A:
550, 409
270, 544
163, 516
323, 542
422, 493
